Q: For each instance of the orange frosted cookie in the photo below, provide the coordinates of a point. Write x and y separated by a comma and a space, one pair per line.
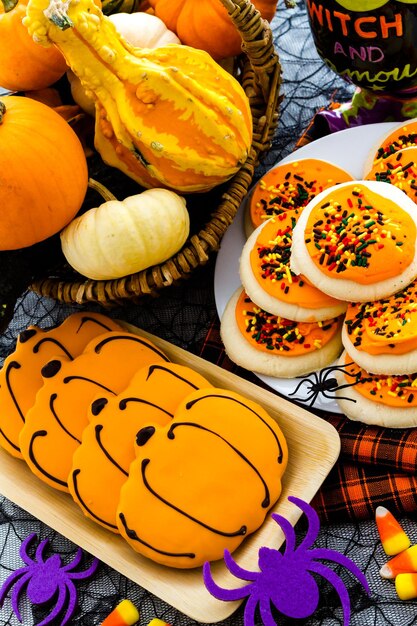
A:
404, 135
268, 280
54, 425
378, 399
381, 336
202, 483
271, 345
20, 376
100, 465
290, 186
357, 241
400, 170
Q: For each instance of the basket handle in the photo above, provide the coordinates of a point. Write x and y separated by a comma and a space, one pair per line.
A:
258, 45
257, 40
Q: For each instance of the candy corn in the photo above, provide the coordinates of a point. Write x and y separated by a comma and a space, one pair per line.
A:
125, 614
394, 539
406, 586
158, 622
405, 562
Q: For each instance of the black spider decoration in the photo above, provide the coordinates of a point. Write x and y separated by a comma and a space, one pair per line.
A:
322, 382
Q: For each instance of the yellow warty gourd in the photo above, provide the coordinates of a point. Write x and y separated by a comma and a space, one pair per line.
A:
167, 117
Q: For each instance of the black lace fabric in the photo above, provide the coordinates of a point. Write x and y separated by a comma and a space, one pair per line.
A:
182, 316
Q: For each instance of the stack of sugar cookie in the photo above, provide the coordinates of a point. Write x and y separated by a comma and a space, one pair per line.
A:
142, 444
380, 358
358, 241
278, 323
343, 257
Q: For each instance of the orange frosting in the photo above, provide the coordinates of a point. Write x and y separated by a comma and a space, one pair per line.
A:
270, 262
356, 234
20, 376
55, 423
291, 186
395, 391
100, 465
203, 482
399, 169
387, 326
277, 335
402, 137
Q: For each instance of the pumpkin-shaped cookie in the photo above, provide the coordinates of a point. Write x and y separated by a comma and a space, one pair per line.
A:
20, 377
100, 465
203, 482
55, 423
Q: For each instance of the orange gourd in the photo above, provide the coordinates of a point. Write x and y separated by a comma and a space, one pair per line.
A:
43, 172
206, 24
24, 65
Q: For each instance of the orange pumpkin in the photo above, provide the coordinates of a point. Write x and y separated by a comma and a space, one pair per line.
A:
24, 64
206, 24
43, 172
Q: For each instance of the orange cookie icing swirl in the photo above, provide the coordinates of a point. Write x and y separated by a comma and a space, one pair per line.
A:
356, 234
274, 334
395, 391
270, 263
291, 186
387, 326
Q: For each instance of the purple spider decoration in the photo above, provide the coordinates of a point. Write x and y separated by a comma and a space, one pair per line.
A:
284, 578
44, 580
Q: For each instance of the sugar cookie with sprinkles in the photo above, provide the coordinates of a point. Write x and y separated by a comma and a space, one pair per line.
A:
402, 136
268, 280
376, 399
357, 241
289, 186
381, 336
400, 170
271, 345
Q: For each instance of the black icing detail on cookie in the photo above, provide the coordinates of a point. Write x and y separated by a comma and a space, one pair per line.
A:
13, 365
190, 405
32, 456
60, 345
52, 399
108, 456
235, 533
98, 405
267, 500
9, 441
27, 334
133, 338
86, 318
144, 435
51, 369
132, 534
75, 473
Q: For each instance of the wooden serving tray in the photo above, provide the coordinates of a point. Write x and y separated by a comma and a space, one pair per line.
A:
313, 445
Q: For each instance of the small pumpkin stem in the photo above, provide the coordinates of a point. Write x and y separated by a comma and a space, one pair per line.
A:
2, 111
101, 189
8, 5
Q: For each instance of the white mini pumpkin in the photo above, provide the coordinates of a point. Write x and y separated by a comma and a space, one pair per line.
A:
123, 237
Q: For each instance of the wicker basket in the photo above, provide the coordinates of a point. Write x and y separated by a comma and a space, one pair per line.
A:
259, 72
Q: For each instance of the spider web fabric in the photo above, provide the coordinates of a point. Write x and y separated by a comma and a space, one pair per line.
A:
182, 316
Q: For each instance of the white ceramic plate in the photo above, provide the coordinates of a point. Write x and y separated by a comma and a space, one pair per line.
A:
347, 149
